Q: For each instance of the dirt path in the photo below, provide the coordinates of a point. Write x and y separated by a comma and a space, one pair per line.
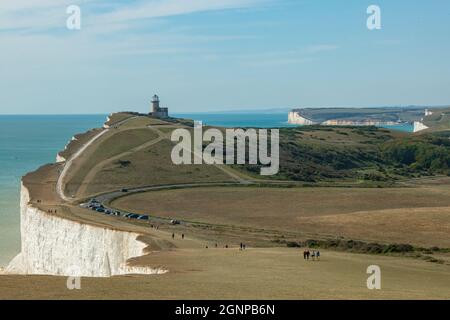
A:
69, 162
92, 173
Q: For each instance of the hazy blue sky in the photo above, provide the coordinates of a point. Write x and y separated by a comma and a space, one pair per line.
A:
205, 55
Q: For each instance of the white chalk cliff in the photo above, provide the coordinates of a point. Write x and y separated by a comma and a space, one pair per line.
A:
294, 117
419, 126
55, 246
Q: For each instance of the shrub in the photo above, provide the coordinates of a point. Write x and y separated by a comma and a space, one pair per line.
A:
292, 244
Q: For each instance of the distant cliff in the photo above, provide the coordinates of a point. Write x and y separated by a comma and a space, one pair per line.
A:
339, 122
295, 117
354, 116
419, 126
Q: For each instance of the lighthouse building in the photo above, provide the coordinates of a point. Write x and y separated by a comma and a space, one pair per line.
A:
157, 111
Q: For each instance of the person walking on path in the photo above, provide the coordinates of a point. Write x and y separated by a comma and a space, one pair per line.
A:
313, 255
318, 255
240, 247
173, 235
182, 236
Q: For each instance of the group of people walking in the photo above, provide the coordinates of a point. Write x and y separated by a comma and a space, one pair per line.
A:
314, 254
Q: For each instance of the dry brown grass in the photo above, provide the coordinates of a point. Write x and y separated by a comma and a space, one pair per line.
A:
78, 142
271, 273
412, 215
118, 117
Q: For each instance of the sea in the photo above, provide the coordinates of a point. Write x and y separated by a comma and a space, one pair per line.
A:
29, 141
258, 120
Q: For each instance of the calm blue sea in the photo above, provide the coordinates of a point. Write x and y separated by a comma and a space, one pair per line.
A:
27, 142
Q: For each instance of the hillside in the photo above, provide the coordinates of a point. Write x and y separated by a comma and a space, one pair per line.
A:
439, 120
197, 215
358, 154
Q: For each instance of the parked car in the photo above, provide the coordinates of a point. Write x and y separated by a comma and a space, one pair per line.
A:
100, 210
124, 190
174, 221
134, 216
143, 217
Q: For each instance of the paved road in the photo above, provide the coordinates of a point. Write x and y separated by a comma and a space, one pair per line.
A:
105, 198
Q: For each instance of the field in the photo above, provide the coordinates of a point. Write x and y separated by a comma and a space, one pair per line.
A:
419, 216
270, 273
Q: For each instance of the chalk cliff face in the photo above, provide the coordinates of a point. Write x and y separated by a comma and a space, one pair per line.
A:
55, 246
419, 126
295, 118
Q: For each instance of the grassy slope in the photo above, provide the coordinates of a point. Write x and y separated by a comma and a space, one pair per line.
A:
117, 118
366, 155
152, 166
318, 153
78, 142
439, 120
112, 145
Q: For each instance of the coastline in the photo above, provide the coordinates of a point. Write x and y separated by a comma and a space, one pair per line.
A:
54, 245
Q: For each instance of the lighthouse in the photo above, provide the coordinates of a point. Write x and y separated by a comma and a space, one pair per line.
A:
157, 111
155, 103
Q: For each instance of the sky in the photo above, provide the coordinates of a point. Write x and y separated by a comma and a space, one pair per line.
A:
221, 55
